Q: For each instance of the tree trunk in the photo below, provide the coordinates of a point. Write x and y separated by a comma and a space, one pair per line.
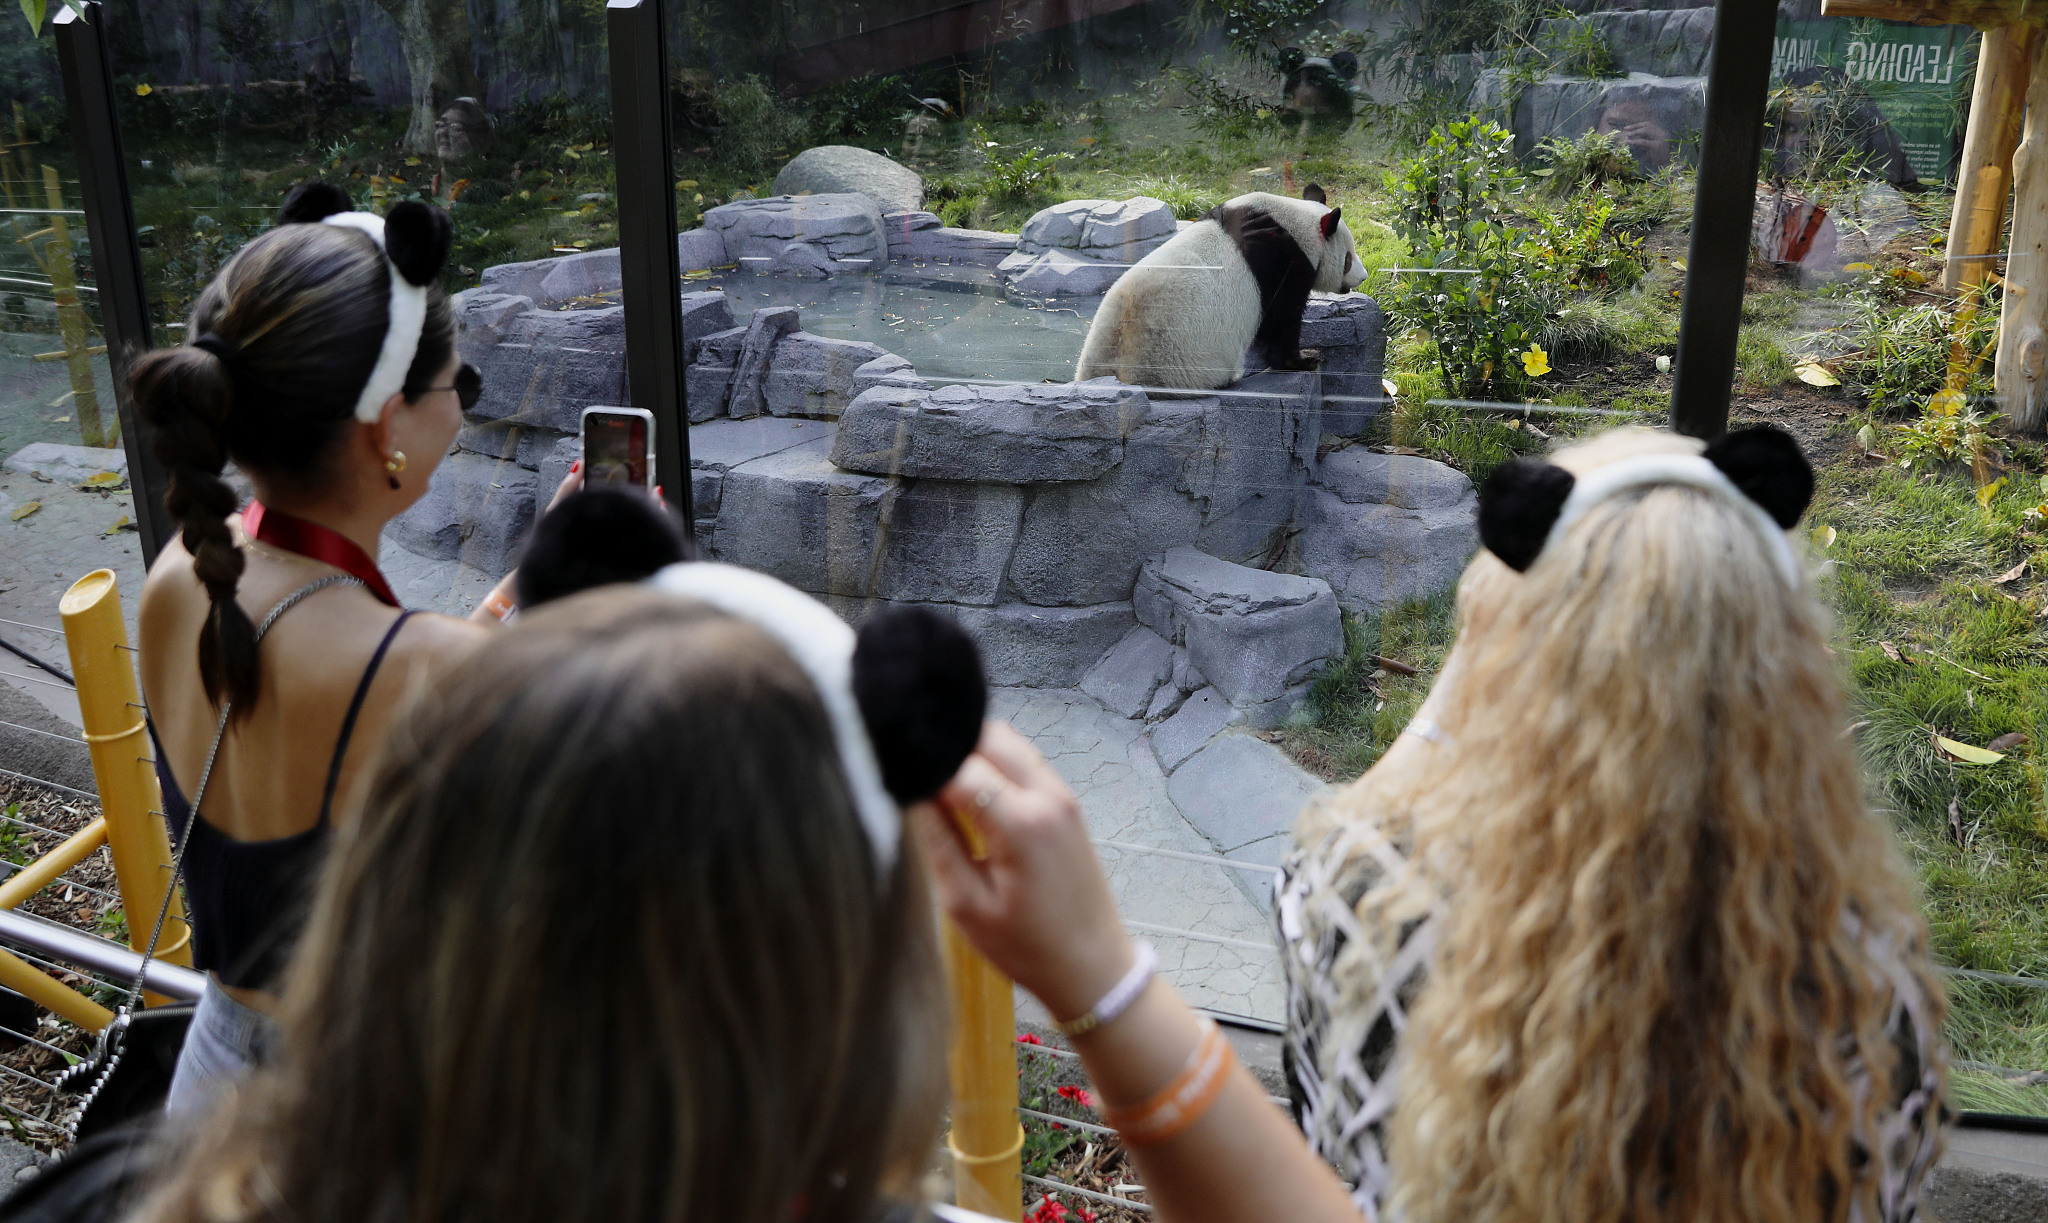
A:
2003, 65
2022, 371
416, 38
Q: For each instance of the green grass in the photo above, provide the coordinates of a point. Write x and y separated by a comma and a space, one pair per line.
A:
1356, 708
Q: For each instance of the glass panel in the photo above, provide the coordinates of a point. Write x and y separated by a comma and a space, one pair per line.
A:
1873, 338
500, 116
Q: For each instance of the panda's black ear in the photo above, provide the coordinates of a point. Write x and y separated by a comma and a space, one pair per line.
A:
1330, 220
1345, 63
417, 238
1518, 505
1290, 59
314, 201
598, 535
1766, 464
917, 678
1313, 193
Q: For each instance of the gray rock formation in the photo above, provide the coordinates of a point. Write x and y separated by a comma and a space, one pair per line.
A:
1257, 636
836, 169
1080, 247
1657, 41
1132, 673
813, 236
549, 365
921, 238
1382, 528
1350, 332
1243, 794
1660, 118
1020, 433
61, 464
476, 510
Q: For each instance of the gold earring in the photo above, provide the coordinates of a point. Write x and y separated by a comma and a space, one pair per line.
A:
394, 465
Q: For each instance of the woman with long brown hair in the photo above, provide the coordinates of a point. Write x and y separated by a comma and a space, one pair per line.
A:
321, 362
628, 930
1649, 955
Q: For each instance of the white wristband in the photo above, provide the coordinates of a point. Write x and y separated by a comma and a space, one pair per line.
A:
1119, 997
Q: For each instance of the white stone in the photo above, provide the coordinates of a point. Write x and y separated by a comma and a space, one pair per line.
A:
1257, 636
811, 235
66, 464
830, 169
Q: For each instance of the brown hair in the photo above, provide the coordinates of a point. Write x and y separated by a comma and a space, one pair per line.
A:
607, 943
1655, 996
302, 311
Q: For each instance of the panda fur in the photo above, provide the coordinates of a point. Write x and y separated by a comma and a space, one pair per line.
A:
1317, 87
1185, 315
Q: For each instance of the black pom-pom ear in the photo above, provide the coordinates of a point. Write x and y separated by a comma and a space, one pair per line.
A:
1291, 59
1518, 505
417, 238
1345, 63
314, 201
917, 677
1314, 194
1766, 464
596, 536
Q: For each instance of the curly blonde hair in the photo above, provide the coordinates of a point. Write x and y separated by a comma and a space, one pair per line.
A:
1654, 996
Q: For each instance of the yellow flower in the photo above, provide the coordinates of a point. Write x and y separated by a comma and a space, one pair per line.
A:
1535, 362
142, 90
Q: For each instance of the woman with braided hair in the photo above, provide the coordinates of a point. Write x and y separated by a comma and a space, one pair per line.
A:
321, 362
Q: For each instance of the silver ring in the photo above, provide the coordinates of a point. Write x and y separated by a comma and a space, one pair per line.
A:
983, 799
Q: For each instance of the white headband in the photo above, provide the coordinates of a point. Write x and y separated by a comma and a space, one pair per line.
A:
408, 318
822, 645
1688, 469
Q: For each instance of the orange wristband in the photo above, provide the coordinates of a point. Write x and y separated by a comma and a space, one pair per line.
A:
500, 605
1182, 1102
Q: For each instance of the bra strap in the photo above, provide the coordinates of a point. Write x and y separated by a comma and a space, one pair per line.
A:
355, 707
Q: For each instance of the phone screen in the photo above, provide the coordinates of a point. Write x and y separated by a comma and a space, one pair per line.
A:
615, 449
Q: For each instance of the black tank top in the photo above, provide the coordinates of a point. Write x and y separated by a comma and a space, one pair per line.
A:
247, 900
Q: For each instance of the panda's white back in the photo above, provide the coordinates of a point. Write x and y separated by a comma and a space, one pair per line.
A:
1182, 316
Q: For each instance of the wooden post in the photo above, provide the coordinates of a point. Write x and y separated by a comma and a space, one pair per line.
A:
2004, 61
71, 320
987, 1139
110, 705
2023, 320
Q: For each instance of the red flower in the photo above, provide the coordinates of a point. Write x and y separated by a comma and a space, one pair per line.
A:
1087, 1215
1048, 1210
1026, 1038
1078, 1096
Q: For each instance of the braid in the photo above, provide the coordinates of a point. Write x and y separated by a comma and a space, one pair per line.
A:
186, 395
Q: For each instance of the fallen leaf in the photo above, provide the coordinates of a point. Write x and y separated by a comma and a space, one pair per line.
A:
1890, 651
1989, 491
1946, 402
1910, 276
1664, 365
1387, 385
104, 479
60, 420
1823, 537
24, 510
1679, 264
120, 524
688, 184
2013, 574
2008, 741
1963, 753
1859, 267
1816, 375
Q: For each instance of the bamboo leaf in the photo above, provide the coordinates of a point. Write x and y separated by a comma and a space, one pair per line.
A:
24, 510
1963, 753
1816, 375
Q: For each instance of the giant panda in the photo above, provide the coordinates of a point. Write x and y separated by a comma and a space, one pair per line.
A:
1184, 315
1317, 88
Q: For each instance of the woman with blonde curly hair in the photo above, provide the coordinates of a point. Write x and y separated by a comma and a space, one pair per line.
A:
1674, 968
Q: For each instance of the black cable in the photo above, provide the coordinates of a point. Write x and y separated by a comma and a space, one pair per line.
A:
25, 656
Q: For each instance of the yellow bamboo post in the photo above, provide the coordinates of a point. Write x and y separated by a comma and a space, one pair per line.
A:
51, 994
44, 871
1984, 180
71, 320
2021, 373
987, 1140
111, 707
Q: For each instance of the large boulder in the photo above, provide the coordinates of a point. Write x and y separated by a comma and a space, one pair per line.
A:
1257, 636
812, 236
813, 375
62, 464
548, 365
1350, 332
836, 169
1079, 248
476, 510
1383, 528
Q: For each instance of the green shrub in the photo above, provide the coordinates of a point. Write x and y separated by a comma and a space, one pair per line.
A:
760, 128
1189, 201
1028, 176
1592, 160
1577, 49
1904, 352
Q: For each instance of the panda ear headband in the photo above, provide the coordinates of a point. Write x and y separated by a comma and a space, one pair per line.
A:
415, 239
1526, 504
905, 695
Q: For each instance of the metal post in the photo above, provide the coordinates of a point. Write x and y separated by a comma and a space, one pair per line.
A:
81, 31
1710, 321
643, 159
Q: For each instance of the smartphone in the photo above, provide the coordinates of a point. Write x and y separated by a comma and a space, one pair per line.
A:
618, 446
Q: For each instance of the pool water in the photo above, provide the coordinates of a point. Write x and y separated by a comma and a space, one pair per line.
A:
951, 322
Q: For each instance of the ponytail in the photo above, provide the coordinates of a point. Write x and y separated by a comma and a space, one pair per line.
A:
283, 342
187, 396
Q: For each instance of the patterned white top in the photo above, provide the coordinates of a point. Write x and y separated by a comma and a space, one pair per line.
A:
1350, 990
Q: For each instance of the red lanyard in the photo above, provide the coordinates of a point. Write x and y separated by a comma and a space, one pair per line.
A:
310, 539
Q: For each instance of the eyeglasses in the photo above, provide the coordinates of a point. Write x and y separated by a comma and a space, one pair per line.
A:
468, 386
